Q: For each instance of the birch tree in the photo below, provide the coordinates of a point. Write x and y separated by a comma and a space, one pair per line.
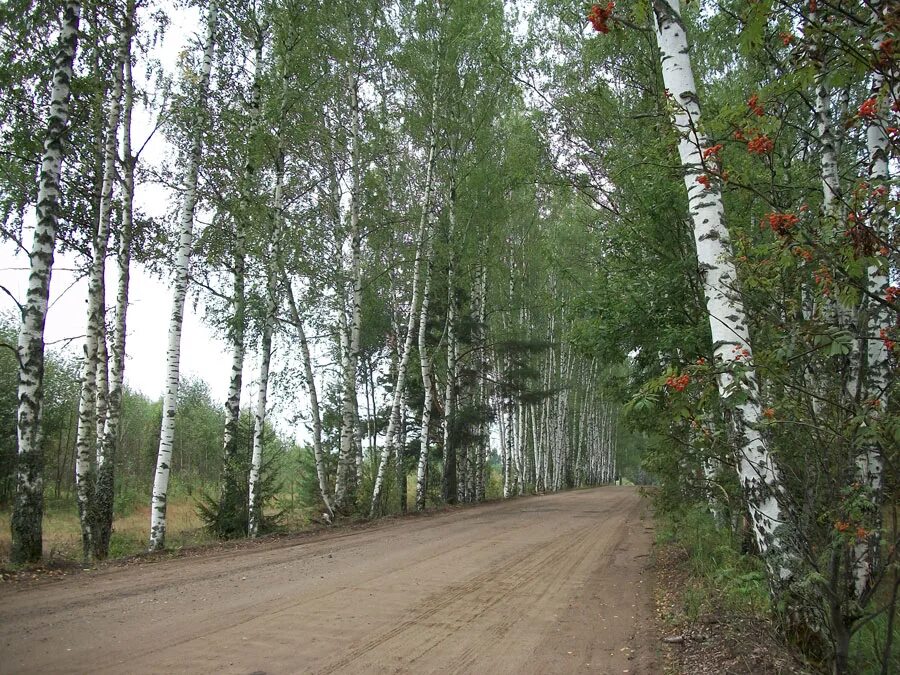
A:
231, 496
94, 385
28, 507
103, 498
727, 316
182, 265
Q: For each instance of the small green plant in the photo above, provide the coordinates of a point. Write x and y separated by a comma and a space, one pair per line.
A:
725, 578
228, 517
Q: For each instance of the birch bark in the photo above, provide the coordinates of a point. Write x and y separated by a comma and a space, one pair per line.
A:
309, 376
182, 268
450, 483
92, 404
265, 358
427, 386
28, 507
350, 432
230, 496
422, 242
875, 378
728, 324
104, 490
481, 360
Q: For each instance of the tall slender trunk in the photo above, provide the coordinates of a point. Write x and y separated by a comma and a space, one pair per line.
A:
831, 187
265, 358
398, 453
482, 360
450, 483
182, 268
399, 465
104, 489
350, 432
309, 376
230, 497
504, 458
422, 243
727, 318
509, 476
94, 379
426, 367
28, 507
875, 377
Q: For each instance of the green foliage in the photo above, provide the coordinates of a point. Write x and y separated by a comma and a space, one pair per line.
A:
723, 577
227, 519
300, 472
868, 645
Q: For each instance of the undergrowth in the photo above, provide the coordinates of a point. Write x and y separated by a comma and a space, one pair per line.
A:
724, 579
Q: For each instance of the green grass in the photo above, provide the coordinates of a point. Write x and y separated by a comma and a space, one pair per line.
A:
722, 577
62, 531
868, 643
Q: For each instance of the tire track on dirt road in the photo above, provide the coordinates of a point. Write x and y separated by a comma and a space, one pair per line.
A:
544, 585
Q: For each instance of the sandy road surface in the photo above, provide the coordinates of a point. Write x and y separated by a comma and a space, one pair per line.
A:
552, 584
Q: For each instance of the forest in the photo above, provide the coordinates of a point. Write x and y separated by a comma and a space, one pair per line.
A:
478, 249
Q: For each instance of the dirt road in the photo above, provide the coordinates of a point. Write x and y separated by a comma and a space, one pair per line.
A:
552, 584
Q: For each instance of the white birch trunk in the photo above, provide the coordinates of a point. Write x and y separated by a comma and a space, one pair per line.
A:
421, 244
92, 404
106, 450
481, 346
265, 355
427, 386
350, 432
182, 265
398, 454
403, 366
450, 481
238, 301
28, 508
875, 379
728, 325
831, 187
504, 460
309, 376
508, 453
259, 419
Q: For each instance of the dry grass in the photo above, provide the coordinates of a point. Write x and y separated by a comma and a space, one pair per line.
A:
62, 532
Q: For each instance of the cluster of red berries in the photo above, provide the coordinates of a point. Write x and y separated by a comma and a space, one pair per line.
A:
823, 278
885, 51
679, 383
598, 16
755, 106
712, 151
761, 145
741, 352
892, 293
844, 527
861, 236
869, 109
804, 253
779, 223
885, 338
704, 180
